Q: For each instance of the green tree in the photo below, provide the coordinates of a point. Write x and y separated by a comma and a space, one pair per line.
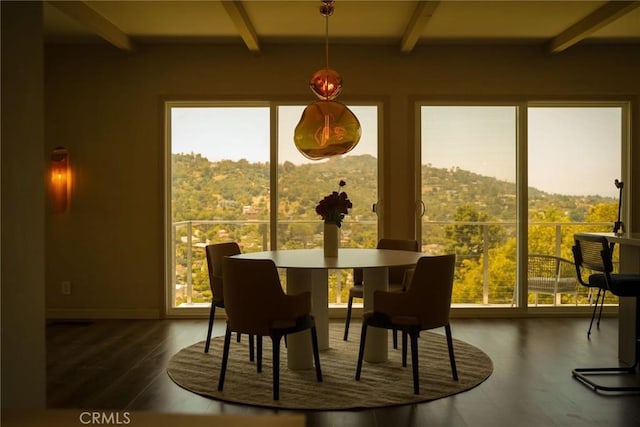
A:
468, 238
542, 238
603, 212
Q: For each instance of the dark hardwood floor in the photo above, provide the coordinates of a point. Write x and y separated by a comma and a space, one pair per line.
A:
120, 365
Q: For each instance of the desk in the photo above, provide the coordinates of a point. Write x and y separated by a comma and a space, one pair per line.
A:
307, 271
629, 263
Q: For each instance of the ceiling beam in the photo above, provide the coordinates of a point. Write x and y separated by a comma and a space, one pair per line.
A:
82, 12
596, 20
421, 15
243, 24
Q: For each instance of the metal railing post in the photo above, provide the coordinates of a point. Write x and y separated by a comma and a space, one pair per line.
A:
338, 274
265, 241
485, 264
189, 262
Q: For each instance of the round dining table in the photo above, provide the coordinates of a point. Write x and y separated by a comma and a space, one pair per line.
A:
307, 271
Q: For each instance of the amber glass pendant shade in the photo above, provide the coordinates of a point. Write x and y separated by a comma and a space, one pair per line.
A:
326, 128
326, 83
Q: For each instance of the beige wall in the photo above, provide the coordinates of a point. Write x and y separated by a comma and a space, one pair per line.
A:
105, 105
23, 278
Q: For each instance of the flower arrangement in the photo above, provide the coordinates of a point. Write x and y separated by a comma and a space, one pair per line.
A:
335, 206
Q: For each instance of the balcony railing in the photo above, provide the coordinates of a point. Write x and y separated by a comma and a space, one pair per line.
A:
191, 286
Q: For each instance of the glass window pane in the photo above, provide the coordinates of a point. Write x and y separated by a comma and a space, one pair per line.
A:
574, 158
302, 183
219, 189
468, 169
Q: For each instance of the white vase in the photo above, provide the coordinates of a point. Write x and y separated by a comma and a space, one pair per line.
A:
331, 239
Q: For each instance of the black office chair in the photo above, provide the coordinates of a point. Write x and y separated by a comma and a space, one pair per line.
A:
594, 253
581, 266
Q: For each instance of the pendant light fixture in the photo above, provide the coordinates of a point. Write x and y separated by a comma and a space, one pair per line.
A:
327, 127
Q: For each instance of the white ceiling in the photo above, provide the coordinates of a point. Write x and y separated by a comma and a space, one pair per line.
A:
556, 25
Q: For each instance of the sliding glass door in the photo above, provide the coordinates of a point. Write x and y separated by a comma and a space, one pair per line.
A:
302, 183
487, 170
574, 159
218, 191
468, 194
222, 185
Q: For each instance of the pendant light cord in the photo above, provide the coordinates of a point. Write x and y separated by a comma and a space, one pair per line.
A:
326, 10
326, 42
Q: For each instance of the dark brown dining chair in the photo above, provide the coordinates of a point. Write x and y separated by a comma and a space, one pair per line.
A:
256, 305
215, 253
397, 278
594, 252
424, 305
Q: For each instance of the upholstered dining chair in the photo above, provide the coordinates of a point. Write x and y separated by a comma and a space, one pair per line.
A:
215, 254
594, 253
397, 278
424, 305
256, 304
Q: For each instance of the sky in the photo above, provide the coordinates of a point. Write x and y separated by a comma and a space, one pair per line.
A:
243, 133
573, 151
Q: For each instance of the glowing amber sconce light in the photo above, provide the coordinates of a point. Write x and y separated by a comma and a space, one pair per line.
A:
60, 179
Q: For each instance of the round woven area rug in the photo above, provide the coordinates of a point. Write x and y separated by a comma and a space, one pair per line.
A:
381, 384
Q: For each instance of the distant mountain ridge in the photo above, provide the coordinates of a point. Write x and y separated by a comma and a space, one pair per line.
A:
229, 189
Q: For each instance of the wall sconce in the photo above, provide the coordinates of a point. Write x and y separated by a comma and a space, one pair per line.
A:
60, 179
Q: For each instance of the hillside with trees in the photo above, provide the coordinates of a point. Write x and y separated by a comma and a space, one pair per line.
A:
233, 198
222, 189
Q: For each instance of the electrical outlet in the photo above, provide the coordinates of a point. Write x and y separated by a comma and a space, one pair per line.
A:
65, 288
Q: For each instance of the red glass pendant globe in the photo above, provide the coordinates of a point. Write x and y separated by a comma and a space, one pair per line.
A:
326, 83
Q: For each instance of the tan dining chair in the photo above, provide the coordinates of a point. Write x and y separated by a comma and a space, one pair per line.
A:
424, 305
256, 305
215, 253
397, 278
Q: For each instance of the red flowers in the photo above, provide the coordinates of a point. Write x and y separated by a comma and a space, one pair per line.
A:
335, 206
